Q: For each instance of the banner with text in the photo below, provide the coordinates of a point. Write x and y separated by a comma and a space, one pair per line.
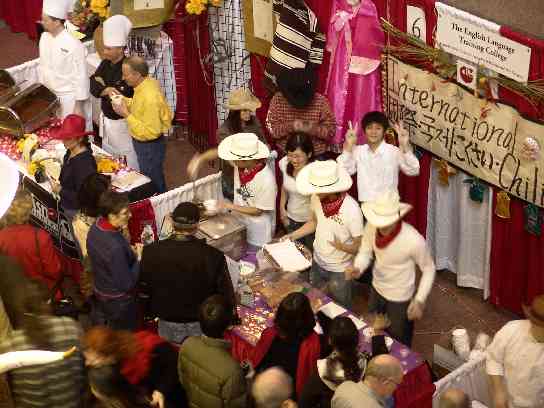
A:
479, 41
483, 139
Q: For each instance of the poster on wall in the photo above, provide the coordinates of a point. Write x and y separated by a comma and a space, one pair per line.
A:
487, 140
479, 41
46, 215
259, 25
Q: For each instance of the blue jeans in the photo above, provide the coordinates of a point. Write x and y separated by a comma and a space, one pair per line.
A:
401, 328
337, 286
151, 159
119, 314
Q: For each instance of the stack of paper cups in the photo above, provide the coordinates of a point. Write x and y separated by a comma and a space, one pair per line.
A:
461, 343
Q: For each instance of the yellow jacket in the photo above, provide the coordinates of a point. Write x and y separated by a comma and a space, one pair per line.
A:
150, 116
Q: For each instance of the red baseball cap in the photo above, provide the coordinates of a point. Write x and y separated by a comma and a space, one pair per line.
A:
72, 127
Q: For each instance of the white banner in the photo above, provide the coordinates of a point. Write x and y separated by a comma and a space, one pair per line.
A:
483, 139
478, 40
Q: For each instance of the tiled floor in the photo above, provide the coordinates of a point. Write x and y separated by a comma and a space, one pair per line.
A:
448, 305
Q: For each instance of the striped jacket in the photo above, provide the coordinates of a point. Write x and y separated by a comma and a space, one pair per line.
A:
296, 42
59, 384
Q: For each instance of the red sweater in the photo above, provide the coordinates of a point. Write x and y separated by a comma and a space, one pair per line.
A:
19, 242
307, 356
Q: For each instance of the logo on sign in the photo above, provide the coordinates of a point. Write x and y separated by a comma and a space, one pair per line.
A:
466, 74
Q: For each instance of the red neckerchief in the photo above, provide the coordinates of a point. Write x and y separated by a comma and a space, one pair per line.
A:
105, 225
136, 368
331, 208
246, 175
383, 240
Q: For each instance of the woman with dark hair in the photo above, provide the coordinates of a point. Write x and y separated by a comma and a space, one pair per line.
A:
116, 266
89, 195
58, 384
242, 105
295, 208
345, 363
291, 343
77, 165
147, 363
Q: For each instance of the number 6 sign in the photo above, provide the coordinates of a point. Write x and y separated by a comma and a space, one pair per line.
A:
416, 24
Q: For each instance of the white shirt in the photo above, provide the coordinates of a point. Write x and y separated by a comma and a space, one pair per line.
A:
298, 205
258, 193
516, 355
378, 172
394, 274
345, 226
63, 66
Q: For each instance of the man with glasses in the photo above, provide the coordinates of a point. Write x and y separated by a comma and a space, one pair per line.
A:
382, 377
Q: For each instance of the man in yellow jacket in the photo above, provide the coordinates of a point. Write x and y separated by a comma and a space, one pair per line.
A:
148, 117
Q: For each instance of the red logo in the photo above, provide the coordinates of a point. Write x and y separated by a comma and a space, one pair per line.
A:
467, 74
52, 214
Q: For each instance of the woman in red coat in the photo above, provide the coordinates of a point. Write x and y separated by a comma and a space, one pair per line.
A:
29, 246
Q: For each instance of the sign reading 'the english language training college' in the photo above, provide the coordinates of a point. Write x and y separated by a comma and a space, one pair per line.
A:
447, 120
479, 41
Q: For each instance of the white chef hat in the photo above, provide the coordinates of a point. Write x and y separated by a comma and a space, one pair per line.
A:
57, 8
8, 182
116, 30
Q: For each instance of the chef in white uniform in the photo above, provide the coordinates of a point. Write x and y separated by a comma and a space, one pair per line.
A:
107, 82
63, 65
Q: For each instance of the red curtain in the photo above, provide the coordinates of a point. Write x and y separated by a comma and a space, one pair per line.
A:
517, 271
21, 15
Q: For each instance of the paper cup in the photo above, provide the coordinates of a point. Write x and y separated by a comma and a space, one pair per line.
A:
117, 99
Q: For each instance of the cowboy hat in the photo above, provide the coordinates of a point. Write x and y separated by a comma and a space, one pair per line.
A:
243, 99
535, 313
242, 146
385, 210
8, 182
297, 85
72, 127
323, 177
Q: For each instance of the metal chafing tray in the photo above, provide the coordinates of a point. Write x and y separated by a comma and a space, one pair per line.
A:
8, 88
226, 233
28, 110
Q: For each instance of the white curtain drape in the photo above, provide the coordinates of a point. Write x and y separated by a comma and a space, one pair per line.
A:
451, 214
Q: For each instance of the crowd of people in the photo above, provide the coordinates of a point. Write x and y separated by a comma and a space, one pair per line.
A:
353, 232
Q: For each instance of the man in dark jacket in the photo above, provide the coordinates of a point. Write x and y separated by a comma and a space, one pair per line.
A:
182, 272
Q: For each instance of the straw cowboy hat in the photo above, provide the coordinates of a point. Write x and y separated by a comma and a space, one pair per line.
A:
73, 127
242, 146
323, 177
535, 313
243, 99
385, 210
8, 182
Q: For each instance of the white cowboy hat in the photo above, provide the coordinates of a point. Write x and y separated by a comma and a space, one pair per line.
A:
8, 182
385, 210
242, 146
323, 177
243, 99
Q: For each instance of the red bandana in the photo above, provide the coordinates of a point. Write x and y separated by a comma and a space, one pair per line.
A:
246, 175
331, 208
136, 369
105, 225
383, 240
